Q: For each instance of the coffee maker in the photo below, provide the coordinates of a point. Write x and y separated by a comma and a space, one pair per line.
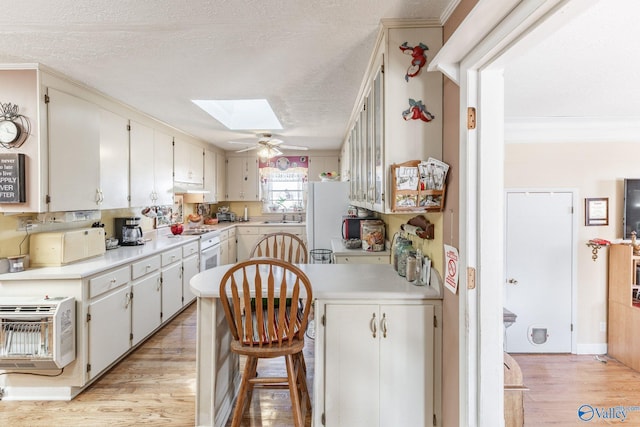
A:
128, 231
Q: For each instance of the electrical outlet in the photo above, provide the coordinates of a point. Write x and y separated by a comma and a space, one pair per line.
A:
603, 326
26, 222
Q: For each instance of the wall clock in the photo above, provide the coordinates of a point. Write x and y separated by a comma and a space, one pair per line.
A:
10, 131
14, 127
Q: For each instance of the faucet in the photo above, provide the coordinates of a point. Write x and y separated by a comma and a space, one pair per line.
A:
284, 217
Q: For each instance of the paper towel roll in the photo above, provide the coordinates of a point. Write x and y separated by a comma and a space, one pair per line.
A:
411, 229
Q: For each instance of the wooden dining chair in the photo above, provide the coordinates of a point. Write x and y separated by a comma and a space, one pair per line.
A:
268, 329
284, 246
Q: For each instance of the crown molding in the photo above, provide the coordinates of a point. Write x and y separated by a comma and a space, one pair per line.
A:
571, 129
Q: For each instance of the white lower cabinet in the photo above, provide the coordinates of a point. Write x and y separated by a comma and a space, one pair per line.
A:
247, 238
129, 303
377, 364
171, 283
190, 267
109, 320
145, 314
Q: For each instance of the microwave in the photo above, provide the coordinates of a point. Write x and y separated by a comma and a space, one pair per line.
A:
351, 227
226, 216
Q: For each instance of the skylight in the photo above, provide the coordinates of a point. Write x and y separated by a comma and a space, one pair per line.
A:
239, 114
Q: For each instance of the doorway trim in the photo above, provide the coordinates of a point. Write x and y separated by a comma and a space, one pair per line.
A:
500, 29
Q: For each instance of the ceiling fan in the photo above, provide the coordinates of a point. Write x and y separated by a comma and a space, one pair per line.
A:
268, 146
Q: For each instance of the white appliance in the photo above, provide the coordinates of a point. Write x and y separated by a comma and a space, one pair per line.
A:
327, 203
209, 250
209, 245
37, 333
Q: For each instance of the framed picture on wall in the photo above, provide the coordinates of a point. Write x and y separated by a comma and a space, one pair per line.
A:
596, 211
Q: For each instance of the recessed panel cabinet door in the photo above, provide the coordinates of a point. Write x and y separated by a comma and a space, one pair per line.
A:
114, 161
406, 365
74, 152
171, 290
352, 380
142, 180
109, 329
190, 267
146, 307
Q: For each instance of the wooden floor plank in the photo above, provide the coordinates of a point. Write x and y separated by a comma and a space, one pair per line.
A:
560, 384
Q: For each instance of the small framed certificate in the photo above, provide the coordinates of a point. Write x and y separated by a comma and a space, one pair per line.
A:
596, 211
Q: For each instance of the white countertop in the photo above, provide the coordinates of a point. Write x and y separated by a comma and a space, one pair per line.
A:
337, 246
112, 258
126, 254
337, 281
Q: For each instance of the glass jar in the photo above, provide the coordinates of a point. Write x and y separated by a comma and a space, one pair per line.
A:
411, 268
372, 235
401, 242
402, 260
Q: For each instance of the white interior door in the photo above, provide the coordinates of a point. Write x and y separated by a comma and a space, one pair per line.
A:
538, 267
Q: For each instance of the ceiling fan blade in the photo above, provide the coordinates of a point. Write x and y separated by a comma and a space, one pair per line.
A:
293, 147
248, 142
247, 149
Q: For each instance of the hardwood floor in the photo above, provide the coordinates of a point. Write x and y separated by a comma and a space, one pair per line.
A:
155, 386
559, 385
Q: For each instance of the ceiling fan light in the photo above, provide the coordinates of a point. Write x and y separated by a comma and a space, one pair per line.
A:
268, 152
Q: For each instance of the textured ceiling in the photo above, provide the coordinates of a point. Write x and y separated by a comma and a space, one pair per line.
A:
588, 69
306, 57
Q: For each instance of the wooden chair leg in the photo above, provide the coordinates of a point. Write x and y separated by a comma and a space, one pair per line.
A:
302, 381
251, 375
293, 390
245, 386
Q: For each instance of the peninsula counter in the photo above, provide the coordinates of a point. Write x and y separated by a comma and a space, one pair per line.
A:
346, 290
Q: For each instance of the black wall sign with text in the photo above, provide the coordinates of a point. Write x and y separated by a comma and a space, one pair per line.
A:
12, 185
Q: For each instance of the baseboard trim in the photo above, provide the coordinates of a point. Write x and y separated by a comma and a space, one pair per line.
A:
591, 348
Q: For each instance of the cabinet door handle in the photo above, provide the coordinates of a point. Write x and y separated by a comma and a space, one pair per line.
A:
374, 327
383, 325
129, 297
158, 284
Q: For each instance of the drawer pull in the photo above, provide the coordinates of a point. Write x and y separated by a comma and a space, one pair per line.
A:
113, 281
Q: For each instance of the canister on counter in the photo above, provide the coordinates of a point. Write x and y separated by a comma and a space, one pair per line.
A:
372, 235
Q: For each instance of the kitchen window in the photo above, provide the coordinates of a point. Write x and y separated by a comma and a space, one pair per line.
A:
283, 183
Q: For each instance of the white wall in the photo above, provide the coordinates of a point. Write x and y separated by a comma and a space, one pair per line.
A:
596, 170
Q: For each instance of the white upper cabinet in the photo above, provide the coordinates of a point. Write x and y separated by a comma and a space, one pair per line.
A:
399, 111
141, 166
221, 177
210, 176
74, 152
151, 166
242, 178
114, 161
163, 167
320, 164
188, 163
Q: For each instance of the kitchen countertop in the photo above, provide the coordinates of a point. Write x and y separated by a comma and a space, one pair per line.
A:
338, 249
111, 259
160, 241
344, 281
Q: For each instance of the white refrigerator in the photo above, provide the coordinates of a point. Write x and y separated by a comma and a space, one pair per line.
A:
327, 203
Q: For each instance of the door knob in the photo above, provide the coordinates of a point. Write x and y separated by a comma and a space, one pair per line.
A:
512, 281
